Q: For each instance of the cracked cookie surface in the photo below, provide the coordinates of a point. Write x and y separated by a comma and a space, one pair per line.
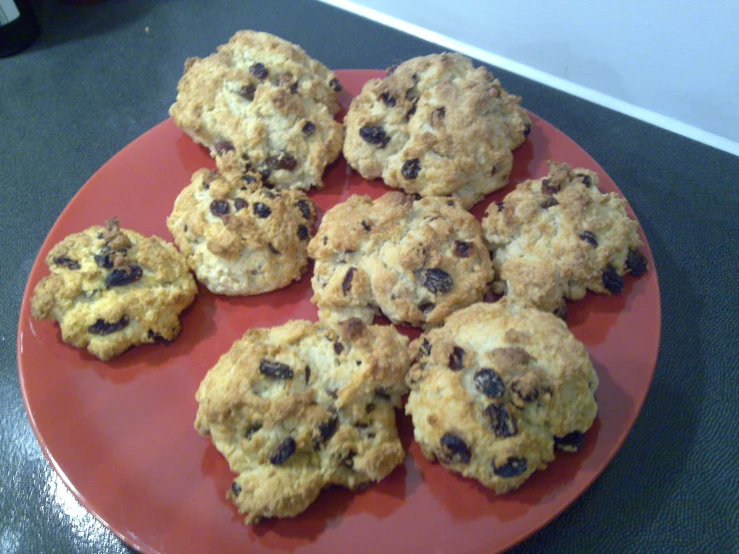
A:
436, 126
302, 406
112, 288
415, 261
242, 239
264, 108
496, 388
556, 237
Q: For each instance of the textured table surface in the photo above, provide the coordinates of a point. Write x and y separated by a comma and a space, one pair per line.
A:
101, 75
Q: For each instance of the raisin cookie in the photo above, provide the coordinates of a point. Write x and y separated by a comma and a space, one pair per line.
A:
264, 109
496, 388
299, 407
111, 288
556, 237
436, 126
416, 261
242, 239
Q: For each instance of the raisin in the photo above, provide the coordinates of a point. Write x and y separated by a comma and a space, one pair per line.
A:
382, 392
253, 429
374, 135
259, 71
500, 206
550, 202
548, 188
346, 284
500, 421
328, 429
102, 327
333, 393
262, 210
219, 208
235, 488
336, 85
527, 130
104, 260
338, 348
69, 263
308, 128
522, 393
636, 262
307, 374
361, 425
240, 204
512, 468
589, 236
283, 160
561, 311
221, 147
250, 179
612, 281
571, 442
426, 347
456, 358
462, 249
124, 276
247, 91
436, 280
349, 460
366, 226
303, 233
283, 451
272, 248
438, 114
489, 383
275, 370
411, 168
586, 180
410, 112
426, 307
390, 70
454, 450
294, 88
304, 208
388, 99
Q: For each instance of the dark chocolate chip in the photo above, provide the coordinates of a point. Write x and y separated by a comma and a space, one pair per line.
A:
219, 208
102, 327
240, 204
571, 442
454, 450
374, 135
259, 71
489, 383
235, 488
589, 236
366, 226
456, 358
346, 284
436, 280
69, 263
221, 147
462, 249
275, 370
612, 281
388, 99
261, 209
426, 307
283, 451
636, 262
303, 233
308, 128
304, 208
121, 276
338, 348
550, 202
500, 421
512, 468
411, 168
336, 85
247, 91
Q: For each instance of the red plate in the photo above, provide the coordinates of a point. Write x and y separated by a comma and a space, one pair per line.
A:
121, 435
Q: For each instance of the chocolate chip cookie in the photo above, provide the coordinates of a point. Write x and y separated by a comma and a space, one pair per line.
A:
556, 237
415, 261
242, 239
302, 406
436, 126
112, 288
496, 389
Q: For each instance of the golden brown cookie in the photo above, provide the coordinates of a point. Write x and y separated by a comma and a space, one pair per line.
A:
496, 388
112, 288
302, 406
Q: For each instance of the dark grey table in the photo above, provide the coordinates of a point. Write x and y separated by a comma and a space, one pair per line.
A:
101, 75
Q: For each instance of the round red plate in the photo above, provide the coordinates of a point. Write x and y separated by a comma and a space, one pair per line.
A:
121, 433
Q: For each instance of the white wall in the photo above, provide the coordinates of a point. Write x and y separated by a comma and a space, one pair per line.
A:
674, 63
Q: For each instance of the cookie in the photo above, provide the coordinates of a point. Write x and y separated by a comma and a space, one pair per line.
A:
496, 389
264, 109
557, 237
111, 288
302, 406
415, 261
436, 126
242, 239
